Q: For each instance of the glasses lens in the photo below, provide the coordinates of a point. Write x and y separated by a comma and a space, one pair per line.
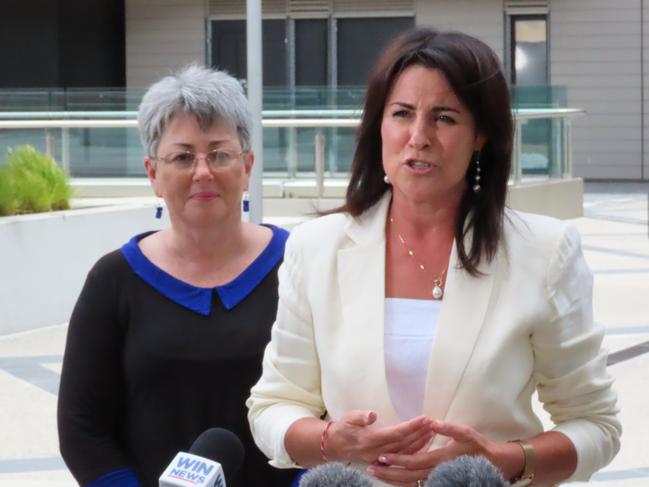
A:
219, 158
181, 160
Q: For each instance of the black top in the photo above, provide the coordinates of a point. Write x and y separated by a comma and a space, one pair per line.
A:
143, 374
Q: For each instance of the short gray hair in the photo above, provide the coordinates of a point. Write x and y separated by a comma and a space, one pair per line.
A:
209, 95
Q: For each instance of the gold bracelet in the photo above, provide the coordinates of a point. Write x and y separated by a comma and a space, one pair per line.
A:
527, 476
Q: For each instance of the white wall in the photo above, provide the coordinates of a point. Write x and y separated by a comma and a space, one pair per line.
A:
162, 36
645, 83
482, 19
44, 259
596, 53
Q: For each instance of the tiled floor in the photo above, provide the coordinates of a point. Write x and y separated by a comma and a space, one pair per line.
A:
616, 242
615, 239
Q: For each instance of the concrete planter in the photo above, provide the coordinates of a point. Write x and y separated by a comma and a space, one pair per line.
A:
44, 259
559, 198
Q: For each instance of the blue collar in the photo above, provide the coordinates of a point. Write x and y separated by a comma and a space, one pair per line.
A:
199, 299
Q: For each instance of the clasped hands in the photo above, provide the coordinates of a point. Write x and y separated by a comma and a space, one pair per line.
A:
398, 454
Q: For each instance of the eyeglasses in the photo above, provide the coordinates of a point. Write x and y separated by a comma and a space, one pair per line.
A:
186, 161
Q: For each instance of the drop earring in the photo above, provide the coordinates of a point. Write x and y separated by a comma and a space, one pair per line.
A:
245, 207
476, 184
158, 209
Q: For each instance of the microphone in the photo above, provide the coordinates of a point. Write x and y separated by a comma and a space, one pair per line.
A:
466, 471
216, 454
334, 475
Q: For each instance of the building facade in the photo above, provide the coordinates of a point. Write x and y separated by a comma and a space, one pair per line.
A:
592, 51
587, 54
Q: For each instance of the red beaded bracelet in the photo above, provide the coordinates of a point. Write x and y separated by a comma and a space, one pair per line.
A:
323, 440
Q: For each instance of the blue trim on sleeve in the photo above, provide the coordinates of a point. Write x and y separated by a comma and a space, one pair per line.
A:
124, 477
199, 299
300, 474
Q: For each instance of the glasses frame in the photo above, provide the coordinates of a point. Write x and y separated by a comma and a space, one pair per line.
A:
197, 157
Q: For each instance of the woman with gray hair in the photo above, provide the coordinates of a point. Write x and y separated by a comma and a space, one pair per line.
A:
167, 336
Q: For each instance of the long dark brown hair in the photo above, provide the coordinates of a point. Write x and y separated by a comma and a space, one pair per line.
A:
476, 76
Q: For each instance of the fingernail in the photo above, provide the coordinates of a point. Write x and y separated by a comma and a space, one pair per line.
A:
371, 470
383, 459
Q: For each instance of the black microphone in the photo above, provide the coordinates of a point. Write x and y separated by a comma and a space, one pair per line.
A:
334, 475
466, 471
217, 454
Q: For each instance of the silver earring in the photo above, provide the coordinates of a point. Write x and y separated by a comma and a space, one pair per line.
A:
476, 185
386, 179
158, 209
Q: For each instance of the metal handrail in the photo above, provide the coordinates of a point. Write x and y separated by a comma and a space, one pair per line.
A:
518, 113
535, 113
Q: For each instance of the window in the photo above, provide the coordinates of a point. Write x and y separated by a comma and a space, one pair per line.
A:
229, 49
311, 52
529, 50
359, 42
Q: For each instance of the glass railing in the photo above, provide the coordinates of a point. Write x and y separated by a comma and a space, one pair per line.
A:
275, 98
541, 138
307, 131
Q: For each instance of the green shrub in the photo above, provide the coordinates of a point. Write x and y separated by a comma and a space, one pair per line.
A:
37, 183
7, 197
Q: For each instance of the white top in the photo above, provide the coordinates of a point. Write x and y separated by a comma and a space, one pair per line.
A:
409, 331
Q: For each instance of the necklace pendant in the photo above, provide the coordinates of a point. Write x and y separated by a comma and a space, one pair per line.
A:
437, 291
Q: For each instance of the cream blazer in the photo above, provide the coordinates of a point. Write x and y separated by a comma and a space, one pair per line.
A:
525, 325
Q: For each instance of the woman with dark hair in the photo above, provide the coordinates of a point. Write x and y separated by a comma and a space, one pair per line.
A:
416, 322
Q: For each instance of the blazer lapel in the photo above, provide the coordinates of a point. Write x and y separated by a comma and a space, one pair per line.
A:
361, 280
466, 299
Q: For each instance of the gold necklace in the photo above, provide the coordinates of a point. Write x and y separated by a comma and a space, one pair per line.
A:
438, 292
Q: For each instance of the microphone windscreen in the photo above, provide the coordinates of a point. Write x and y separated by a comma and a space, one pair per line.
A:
334, 475
466, 471
222, 446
